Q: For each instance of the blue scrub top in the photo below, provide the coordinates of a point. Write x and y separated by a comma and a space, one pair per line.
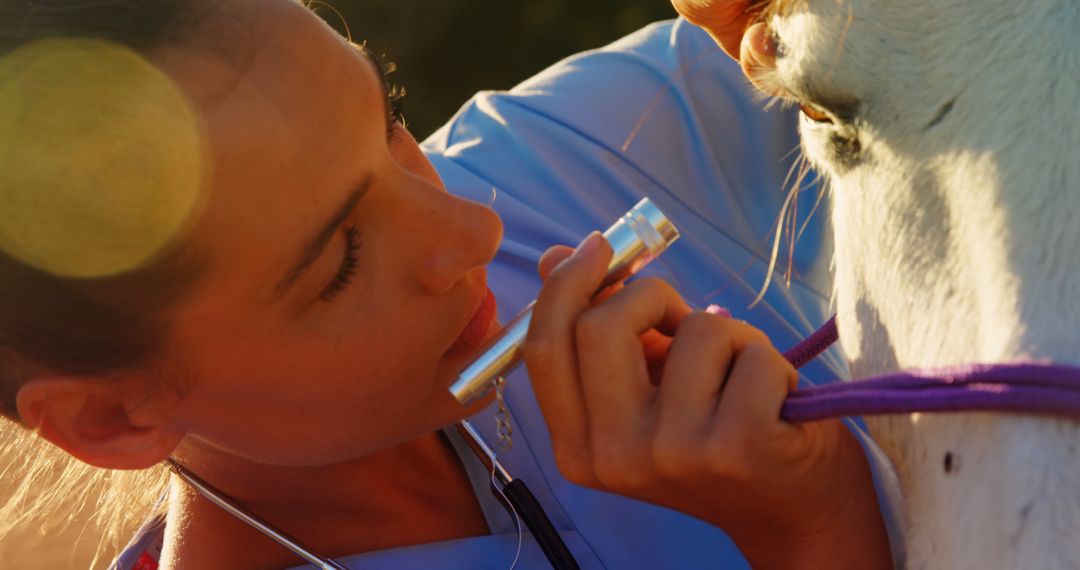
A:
662, 113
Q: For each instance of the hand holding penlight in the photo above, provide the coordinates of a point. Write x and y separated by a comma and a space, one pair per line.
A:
637, 238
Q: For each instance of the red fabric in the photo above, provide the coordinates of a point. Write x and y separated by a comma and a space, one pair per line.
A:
145, 562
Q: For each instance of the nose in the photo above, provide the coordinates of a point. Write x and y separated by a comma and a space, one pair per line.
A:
465, 236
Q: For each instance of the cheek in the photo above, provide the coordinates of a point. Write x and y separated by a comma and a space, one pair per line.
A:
385, 351
368, 384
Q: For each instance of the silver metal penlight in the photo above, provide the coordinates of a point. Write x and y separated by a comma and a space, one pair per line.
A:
637, 238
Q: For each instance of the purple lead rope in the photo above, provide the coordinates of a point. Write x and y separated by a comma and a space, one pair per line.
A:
812, 346
1024, 388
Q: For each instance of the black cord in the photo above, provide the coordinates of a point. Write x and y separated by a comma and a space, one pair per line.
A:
530, 511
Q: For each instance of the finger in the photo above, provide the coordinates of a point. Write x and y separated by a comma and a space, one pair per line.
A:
725, 20
655, 346
614, 374
555, 255
760, 380
757, 57
550, 352
552, 258
697, 363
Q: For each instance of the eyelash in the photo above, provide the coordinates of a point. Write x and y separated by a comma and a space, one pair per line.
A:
347, 270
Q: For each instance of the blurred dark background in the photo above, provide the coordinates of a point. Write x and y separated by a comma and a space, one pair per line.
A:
447, 50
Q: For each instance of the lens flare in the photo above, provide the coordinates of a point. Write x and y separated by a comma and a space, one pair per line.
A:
101, 158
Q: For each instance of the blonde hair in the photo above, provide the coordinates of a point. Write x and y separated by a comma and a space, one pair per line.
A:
48, 497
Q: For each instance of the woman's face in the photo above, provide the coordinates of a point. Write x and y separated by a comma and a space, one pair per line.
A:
345, 286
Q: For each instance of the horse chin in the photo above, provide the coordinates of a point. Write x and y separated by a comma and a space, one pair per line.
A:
956, 219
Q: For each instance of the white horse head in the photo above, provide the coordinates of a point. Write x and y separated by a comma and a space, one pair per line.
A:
950, 133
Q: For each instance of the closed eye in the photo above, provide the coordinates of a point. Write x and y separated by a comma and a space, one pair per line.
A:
815, 115
821, 105
349, 263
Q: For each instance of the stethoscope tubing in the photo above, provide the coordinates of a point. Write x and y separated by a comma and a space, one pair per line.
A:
239, 512
521, 501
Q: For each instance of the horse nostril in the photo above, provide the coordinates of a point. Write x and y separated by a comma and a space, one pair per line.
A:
951, 463
846, 149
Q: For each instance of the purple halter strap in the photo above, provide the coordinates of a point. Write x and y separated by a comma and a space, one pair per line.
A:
1026, 388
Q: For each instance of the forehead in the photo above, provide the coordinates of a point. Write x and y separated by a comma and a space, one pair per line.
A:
286, 122
291, 80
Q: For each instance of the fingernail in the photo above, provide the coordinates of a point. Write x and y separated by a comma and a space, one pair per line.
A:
718, 310
590, 244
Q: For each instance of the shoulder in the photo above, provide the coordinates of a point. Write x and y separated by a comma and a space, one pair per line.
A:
671, 70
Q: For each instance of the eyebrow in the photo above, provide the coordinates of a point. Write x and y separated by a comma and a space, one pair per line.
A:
317, 244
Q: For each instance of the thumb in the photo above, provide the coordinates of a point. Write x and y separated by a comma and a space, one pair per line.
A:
552, 258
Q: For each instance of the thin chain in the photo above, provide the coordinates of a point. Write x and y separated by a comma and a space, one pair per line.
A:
503, 429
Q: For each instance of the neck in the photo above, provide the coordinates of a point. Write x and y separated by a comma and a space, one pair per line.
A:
950, 274
414, 493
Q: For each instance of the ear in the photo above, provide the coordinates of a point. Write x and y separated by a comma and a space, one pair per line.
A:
99, 423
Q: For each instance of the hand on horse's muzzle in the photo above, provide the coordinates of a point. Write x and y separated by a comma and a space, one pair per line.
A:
725, 20
732, 24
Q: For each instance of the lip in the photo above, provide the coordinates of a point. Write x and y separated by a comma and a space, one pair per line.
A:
478, 330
